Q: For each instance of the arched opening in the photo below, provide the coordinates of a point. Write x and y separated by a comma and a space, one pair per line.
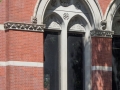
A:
51, 51
116, 51
75, 56
68, 42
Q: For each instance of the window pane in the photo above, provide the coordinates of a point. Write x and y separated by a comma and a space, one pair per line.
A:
116, 64
51, 61
75, 62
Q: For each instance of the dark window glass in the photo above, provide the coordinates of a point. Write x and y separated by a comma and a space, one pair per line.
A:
75, 62
116, 63
51, 61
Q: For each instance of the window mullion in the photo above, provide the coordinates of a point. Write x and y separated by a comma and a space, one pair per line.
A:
63, 60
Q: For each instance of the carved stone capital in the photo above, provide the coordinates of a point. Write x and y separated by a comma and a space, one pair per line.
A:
23, 26
101, 33
34, 20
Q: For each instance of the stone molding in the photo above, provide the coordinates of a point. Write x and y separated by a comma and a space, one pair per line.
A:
21, 64
101, 68
101, 33
24, 26
2, 27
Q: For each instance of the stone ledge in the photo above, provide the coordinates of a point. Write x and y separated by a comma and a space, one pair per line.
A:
24, 26
101, 33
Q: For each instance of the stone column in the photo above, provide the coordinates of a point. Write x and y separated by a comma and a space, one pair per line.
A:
101, 64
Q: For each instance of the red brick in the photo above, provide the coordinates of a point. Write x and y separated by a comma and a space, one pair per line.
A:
101, 51
25, 46
3, 78
3, 11
101, 56
21, 10
2, 45
25, 78
104, 4
17, 10
101, 80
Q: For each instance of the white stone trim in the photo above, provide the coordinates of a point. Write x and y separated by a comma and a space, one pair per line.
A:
108, 9
36, 8
2, 27
101, 33
101, 68
21, 63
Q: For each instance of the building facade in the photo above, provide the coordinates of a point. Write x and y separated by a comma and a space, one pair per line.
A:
59, 44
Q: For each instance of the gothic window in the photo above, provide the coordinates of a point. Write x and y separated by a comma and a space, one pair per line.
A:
52, 61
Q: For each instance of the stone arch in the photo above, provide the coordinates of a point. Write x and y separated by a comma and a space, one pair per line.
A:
92, 7
87, 10
53, 21
111, 12
78, 23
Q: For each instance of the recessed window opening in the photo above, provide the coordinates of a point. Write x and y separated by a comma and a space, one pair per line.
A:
116, 63
51, 61
74, 61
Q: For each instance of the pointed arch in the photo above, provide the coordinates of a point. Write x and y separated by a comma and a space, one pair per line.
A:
53, 21
110, 14
92, 6
79, 22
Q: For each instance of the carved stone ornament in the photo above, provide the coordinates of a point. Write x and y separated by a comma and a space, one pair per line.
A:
101, 33
34, 20
65, 16
52, 22
103, 24
76, 24
24, 26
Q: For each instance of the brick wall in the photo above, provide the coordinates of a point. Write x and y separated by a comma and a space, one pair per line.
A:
21, 46
28, 47
3, 72
101, 80
25, 46
101, 51
3, 11
25, 78
3, 78
101, 56
17, 10
21, 10
2, 45
104, 5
